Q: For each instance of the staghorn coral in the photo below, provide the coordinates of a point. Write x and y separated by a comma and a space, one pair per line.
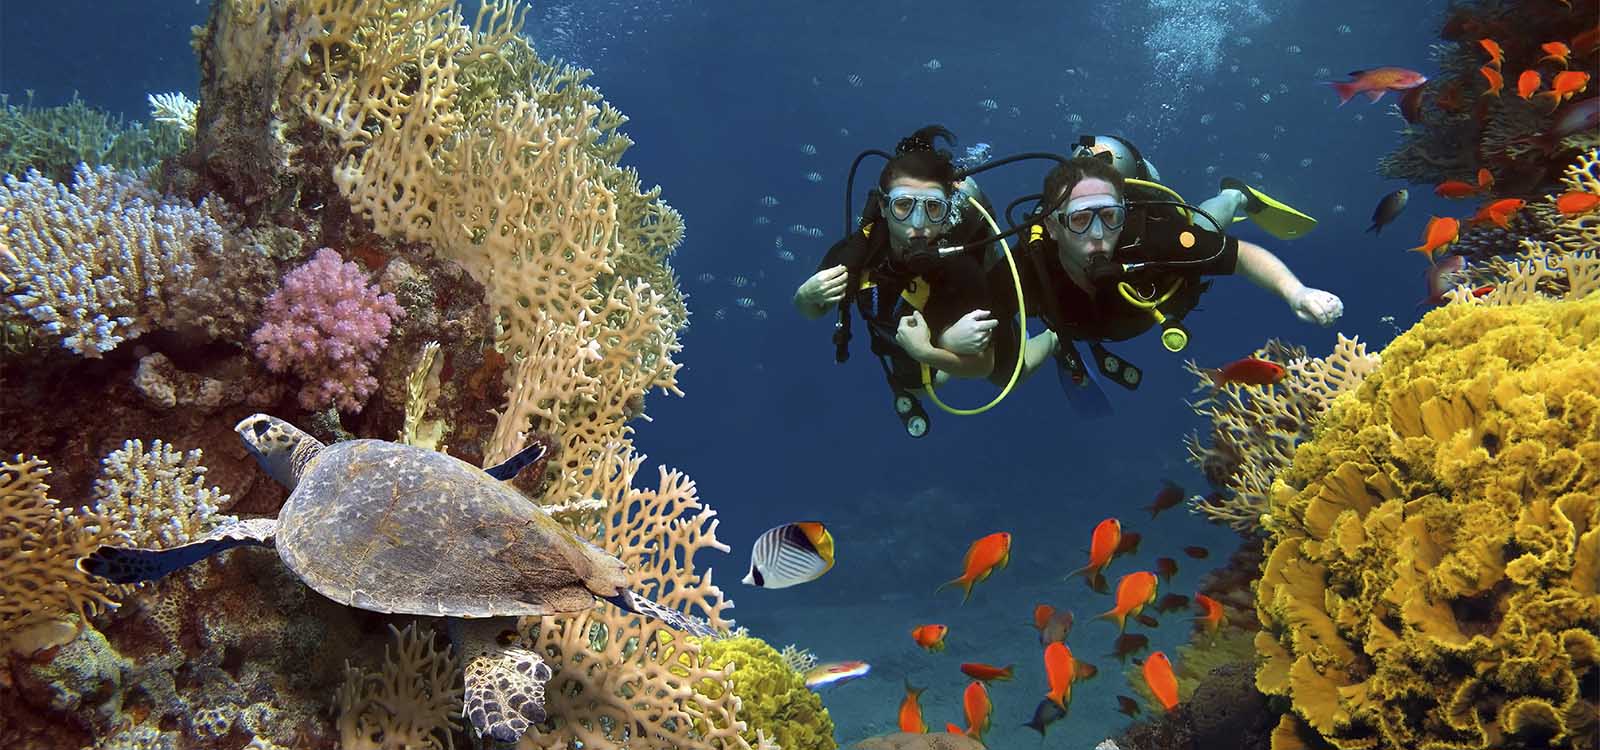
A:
1255, 428
773, 695
41, 587
1435, 551
157, 498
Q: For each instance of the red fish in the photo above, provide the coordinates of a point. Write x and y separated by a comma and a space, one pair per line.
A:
1527, 83
911, 711
976, 706
1197, 552
1247, 371
1586, 41
984, 557
1377, 82
1166, 567
1483, 290
1440, 233
1061, 670
1499, 213
1455, 189
1127, 706
1555, 51
1485, 178
1566, 84
1210, 613
1053, 624
1171, 602
1159, 678
1134, 591
1129, 643
1169, 495
1577, 202
1496, 82
930, 637
1103, 544
1496, 55
1440, 277
987, 672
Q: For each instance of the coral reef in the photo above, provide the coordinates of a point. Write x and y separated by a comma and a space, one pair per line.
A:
774, 697
55, 140
413, 702
1434, 569
930, 741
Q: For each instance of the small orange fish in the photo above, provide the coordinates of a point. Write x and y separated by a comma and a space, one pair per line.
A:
1053, 624
1103, 544
1455, 189
1483, 290
950, 728
975, 704
1127, 706
1485, 178
1377, 82
1061, 670
984, 557
1210, 613
1555, 51
1159, 678
930, 637
1172, 602
1577, 202
1499, 213
1496, 82
1134, 590
1166, 567
1441, 232
911, 711
1566, 84
987, 672
1527, 83
1129, 643
1496, 55
1197, 552
1169, 495
1247, 371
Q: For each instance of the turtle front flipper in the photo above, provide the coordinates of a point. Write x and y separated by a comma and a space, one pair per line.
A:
673, 618
504, 684
135, 564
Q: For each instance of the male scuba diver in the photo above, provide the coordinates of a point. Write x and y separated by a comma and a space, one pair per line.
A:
921, 307
1235, 201
1103, 266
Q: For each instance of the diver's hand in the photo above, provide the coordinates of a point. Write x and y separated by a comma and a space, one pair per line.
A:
824, 288
1317, 306
912, 335
970, 334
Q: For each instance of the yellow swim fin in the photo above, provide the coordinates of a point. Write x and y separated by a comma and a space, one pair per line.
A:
1274, 217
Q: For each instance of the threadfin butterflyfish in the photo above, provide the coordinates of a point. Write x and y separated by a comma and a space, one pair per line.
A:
790, 555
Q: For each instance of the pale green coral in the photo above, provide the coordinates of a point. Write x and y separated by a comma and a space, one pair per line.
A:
1433, 578
54, 140
774, 696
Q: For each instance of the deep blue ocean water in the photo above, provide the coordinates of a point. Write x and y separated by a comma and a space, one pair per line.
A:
722, 98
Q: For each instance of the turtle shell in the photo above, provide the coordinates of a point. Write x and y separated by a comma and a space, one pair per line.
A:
389, 527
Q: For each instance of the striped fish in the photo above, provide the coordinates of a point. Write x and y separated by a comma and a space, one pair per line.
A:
790, 555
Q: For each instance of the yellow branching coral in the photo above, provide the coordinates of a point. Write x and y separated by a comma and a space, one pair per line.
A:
42, 591
411, 703
1433, 577
1255, 428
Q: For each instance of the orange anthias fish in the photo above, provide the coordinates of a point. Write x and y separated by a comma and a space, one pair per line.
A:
985, 556
1247, 371
1127, 705
1441, 232
1159, 678
1134, 590
1166, 567
1197, 552
1103, 545
1170, 602
1377, 82
1169, 495
930, 637
1566, 84
975, 704
1496, 55
1485, 178
911, 711
1128, 643
1496, 82
1210, 613
1499, 213
1053, 624
987, 672
1577, 202
1455, 189
1555, 51
1061, 670
1527, 83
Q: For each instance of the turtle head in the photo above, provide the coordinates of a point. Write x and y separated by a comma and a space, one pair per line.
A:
282, 449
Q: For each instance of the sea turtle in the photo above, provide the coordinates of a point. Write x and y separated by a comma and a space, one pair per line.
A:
389, 527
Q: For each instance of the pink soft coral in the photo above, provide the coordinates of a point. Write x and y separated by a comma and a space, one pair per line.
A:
327, 326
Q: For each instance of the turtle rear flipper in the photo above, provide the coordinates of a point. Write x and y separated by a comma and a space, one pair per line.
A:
503, 684
673, 618
135, 564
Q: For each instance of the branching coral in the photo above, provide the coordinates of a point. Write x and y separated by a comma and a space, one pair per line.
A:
55, 140
157, 497
1255, 428
774, 696
1433, 577
411, 703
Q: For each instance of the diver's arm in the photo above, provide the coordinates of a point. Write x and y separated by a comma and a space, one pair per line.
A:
960, 365
1264, 269
1039, 350
821, 292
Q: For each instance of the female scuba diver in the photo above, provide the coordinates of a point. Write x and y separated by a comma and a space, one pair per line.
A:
1101, 267
921, 306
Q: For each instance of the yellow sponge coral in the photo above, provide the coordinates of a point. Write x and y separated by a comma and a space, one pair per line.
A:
774, 698
1433, 576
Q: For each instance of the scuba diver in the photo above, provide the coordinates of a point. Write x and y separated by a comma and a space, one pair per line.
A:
1103, 265
1235, 201
923, 309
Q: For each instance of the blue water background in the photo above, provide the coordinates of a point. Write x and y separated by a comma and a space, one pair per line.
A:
722, 97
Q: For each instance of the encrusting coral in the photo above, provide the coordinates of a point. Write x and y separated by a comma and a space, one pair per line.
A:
1433, 577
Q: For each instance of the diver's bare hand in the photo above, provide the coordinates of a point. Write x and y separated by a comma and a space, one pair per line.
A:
969, 335
824, 288
1317, 306
912, 335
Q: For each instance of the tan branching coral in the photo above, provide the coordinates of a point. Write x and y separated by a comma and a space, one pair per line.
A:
42, 590
412, 702
157, 496
1255, 428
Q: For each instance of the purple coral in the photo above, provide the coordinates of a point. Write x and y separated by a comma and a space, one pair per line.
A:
328, 326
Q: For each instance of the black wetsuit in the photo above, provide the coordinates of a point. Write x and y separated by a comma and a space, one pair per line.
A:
1075, 315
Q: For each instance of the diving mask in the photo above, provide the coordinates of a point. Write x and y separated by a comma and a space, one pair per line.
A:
1111, 218
907, 206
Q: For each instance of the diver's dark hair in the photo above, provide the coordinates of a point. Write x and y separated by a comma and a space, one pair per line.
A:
1061, 180
918, 158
